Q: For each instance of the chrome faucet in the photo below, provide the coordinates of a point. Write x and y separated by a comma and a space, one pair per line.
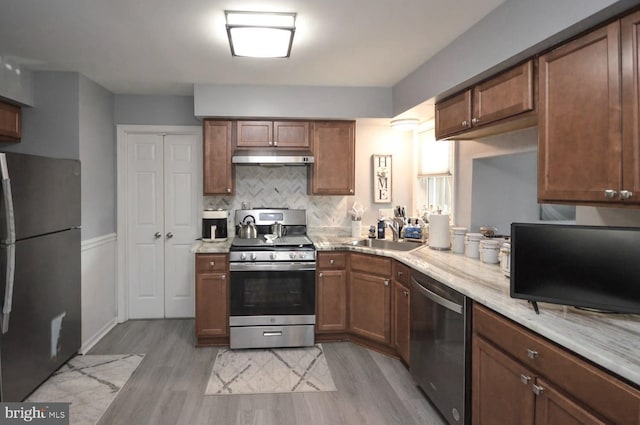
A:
395, 227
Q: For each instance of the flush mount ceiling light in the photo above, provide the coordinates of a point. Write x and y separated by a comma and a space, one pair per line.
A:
405, 124
260, 34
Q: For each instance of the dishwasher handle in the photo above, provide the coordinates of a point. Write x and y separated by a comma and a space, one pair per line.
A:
448, 304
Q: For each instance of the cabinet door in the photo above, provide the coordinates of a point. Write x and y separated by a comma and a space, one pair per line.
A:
255, 134
554, 408
501, 388
401, 319
291, 134
579, 139
212, 305
369, 307
504, 96
453, 115
630, 36
10, 122
332, 301
217, 167
333, 172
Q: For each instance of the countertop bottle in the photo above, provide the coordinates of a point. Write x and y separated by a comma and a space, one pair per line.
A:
381, 226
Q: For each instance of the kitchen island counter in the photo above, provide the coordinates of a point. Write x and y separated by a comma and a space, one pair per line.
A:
609, 340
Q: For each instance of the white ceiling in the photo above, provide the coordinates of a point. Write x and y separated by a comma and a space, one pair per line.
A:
164, 46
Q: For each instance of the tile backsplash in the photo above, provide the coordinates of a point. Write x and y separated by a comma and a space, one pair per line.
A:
283, 187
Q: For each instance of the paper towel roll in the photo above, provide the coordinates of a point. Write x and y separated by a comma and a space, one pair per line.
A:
439, 231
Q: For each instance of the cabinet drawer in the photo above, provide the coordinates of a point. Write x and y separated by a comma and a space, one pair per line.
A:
602, 392
401, 273
207, 263
371, 264
330, 260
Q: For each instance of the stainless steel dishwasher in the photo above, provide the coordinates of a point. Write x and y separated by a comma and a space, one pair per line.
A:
441, 346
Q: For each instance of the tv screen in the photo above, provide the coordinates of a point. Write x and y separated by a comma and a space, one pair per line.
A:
582, 266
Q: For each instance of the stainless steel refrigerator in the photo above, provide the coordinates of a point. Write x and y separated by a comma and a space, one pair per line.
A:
39, 269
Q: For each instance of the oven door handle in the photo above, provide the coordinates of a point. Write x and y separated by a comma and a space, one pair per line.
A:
284, 267
449, 305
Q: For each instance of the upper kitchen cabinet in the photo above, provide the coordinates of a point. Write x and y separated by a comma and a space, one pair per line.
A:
502, 103
272, 134
10, 122
588, 135
333, 146
217, 149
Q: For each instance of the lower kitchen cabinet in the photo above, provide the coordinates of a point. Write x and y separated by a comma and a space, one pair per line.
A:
519, 377
212, 299
370, 298
331, 290
400, 310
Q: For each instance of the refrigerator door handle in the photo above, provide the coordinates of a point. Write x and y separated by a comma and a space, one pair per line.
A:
8, 287
10, 243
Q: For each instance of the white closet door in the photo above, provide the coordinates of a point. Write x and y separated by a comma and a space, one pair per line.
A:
183, 187
145, 218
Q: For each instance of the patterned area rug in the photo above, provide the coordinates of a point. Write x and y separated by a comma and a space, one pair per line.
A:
279, 370
89, 383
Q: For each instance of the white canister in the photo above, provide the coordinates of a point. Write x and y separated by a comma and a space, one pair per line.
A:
472, 245
505, 259
355, 228
457, 239
439, 231
489, 251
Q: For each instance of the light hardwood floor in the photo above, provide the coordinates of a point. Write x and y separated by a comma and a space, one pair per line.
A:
168, 386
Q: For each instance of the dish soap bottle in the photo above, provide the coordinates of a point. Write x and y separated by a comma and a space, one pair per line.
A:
381, 226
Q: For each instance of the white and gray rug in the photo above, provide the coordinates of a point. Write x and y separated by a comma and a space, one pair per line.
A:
89, 383
278, 370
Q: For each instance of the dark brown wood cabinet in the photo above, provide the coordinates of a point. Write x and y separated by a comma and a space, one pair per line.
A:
589, 149
331, 290
273, 134
400, 310
212, 299
370, 297
217, 148
502, 103
333, 146
10, 122
519, 377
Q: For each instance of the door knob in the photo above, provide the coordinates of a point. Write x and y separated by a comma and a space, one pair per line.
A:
158, 235
169, 235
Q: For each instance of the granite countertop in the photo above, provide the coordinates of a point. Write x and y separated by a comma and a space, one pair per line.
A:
609, 340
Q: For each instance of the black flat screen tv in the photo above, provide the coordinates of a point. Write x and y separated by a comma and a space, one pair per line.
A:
582, 266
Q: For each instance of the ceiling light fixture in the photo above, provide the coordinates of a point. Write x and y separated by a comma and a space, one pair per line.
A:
405, 124
260, 34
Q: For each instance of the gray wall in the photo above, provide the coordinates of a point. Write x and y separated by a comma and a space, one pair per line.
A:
16, 84
50, 127
154, 110
510, 33
98, 156
292, 101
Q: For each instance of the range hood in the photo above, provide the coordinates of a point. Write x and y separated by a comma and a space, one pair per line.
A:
273, 157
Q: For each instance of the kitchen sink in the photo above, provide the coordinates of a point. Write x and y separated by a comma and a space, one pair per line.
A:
384, 244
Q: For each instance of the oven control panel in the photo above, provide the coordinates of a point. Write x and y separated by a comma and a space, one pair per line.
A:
272, 256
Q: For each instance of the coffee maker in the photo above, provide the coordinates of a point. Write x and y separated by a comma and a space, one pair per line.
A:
214, 225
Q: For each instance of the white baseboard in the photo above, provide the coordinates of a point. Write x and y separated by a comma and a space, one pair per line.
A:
88, 345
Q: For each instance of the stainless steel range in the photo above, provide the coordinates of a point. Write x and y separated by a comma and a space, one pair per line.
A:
272, 283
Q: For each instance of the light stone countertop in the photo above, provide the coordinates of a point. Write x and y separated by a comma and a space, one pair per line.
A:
609, 340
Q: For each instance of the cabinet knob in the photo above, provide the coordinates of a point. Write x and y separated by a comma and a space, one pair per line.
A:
475, 121
332, 261
405, 293
610, 193
625, 194
386, 282
465, 123
223, 277
525, 379
270, 143
228, 190
537, 389
320, 274
532, 354
399, 274
275, 143
350, 190
212, 264
158, 235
